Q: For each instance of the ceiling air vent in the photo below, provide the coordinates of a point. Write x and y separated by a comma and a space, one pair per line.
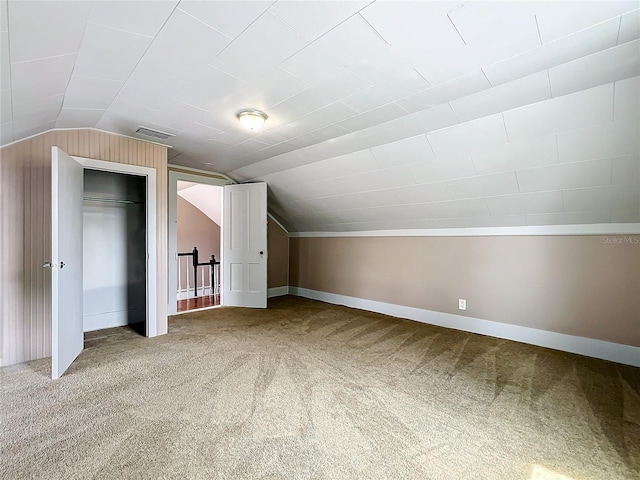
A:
147, 132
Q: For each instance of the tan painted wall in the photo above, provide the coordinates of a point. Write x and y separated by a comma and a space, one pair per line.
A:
278, 260
587, 286
195, 229
25, 229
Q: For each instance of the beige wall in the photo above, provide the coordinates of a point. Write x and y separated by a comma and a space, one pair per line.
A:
578, 285
278, 259
195, 229
25, 236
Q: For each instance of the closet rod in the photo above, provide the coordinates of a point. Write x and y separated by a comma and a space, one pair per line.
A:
111, 200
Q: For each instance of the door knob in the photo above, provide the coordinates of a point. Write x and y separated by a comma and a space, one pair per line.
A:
61, 265
47, 265
261, 252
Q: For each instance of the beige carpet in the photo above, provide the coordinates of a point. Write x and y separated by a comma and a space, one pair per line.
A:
310, 390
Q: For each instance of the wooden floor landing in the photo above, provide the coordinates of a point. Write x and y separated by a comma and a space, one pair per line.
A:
198, 302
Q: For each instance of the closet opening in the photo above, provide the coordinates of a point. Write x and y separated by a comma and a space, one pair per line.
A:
114, 255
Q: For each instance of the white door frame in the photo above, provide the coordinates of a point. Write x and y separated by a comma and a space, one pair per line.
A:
174, 177
152, 254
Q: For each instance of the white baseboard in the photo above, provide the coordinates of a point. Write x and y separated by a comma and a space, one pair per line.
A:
277, 291
113, 319
614, 352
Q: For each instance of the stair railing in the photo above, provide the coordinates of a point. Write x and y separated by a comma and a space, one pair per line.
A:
214, 267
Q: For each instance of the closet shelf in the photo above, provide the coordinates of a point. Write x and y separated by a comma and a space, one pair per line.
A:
111, 200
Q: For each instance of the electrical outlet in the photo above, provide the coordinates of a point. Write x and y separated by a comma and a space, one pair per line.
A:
462, 304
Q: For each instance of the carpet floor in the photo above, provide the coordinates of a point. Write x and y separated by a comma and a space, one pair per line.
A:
308, 390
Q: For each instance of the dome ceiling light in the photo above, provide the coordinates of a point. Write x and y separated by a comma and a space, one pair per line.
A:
252, 119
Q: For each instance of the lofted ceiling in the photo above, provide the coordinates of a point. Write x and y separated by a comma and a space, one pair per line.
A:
382, 115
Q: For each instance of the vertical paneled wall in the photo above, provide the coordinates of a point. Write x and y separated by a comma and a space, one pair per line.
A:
25, 231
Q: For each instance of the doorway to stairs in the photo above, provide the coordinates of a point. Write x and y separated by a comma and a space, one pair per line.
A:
199, 219
195, 223
242, 278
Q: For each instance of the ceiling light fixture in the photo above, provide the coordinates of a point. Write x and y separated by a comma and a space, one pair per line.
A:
252, 119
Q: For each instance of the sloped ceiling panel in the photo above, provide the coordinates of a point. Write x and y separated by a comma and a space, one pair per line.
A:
382, 115
206, 198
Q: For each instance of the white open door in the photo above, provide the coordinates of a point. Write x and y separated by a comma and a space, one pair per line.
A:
66, 261
244, 245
